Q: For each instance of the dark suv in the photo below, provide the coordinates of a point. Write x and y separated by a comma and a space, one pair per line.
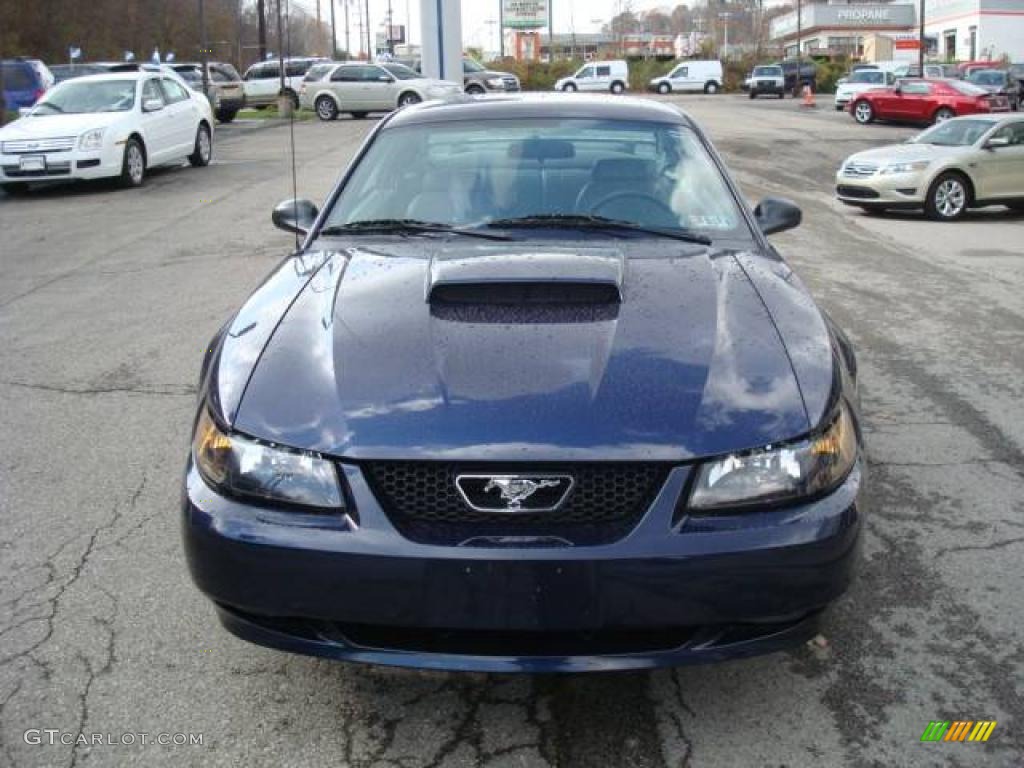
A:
808, 74
477, 78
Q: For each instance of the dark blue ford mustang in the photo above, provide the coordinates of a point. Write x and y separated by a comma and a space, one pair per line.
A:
535, 394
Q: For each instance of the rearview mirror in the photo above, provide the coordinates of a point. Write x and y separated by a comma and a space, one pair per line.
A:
152, 105
776, 214
997, 141
294, 216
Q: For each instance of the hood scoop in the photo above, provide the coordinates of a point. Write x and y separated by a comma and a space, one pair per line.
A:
534, 278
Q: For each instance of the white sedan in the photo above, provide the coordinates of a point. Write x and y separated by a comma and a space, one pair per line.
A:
966, 162
360, 88
112, 125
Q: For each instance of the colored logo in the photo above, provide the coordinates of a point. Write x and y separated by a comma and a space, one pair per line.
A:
958, 730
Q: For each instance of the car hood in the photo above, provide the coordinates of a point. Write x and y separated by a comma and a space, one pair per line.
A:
55, 126
431, 82
849, 88
908, 153
689, 363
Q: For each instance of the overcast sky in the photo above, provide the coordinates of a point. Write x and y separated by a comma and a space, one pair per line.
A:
584, 15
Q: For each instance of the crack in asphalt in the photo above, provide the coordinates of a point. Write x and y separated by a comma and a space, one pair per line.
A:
170, 391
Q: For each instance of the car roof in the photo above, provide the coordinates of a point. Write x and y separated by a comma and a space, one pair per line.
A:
540, 105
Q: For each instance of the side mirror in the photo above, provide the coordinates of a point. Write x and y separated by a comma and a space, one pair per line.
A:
152, 105
997, 141
776, 214
897, 89
24, 111
294, 216
386, 79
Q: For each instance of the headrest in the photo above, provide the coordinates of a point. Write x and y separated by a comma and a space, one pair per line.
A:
542, 149
622, 169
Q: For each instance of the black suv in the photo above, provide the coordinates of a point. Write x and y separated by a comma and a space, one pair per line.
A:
808, 74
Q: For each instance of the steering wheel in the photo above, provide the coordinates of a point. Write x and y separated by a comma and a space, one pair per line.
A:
661, 212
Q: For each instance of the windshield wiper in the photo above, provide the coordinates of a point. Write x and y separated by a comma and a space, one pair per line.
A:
406, 227
588, 221
54, 107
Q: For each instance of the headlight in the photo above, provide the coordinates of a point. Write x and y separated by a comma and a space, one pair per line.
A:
244, 467
92, 139
495, 82
894, 168
778, 473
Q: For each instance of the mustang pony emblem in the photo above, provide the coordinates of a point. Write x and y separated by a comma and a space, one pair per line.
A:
515, 490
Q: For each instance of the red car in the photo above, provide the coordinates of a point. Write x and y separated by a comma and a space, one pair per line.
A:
924, 101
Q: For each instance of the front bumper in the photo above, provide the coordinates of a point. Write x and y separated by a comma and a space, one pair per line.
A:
63, 166
713, 588
899, 190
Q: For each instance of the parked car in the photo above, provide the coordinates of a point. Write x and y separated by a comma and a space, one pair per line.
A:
226, 94
262, 81
359, 88
766, 80
861, 81
941, 72
999, 81
477, 79
534, 395
967, 67
808, 75
62, 72
114, 125
925, 101
610, 76
22, 83
690, 77
966, 162
44, 72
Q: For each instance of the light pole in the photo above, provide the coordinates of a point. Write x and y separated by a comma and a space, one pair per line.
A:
501, 29
725, 47
799, 48
348, 38
920, 50
369, 32
391, 42
204, 54
334, 33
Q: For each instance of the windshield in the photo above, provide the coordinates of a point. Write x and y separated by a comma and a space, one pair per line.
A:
76, 97
469, 65
985, 77
868, 76
318, 72
767, 71
468, 174
401, 71
967, 89
954, 133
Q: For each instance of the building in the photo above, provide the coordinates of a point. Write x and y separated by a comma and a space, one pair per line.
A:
955, 30
828, 28
534, 46
971, 30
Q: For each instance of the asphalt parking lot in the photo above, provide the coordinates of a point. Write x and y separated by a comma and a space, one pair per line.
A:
107, 300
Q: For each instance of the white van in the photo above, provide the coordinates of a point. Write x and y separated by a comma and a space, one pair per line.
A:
692, 77
597, 76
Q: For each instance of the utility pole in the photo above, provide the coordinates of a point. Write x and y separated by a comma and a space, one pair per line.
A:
799, 47
204, 53
920, 50
724, 16
369, 33
551, 31
261, 19
501, 29
390, 39
334, 34
280, 45
348, 37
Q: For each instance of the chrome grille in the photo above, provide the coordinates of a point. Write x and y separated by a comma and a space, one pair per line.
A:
859, 170
31, 146
511, 83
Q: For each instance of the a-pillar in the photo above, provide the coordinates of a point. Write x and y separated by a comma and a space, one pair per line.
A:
441, 33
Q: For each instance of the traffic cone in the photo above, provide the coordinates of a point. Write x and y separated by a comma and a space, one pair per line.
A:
808, 98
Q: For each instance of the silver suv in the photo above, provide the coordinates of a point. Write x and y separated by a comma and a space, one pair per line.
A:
476, 78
